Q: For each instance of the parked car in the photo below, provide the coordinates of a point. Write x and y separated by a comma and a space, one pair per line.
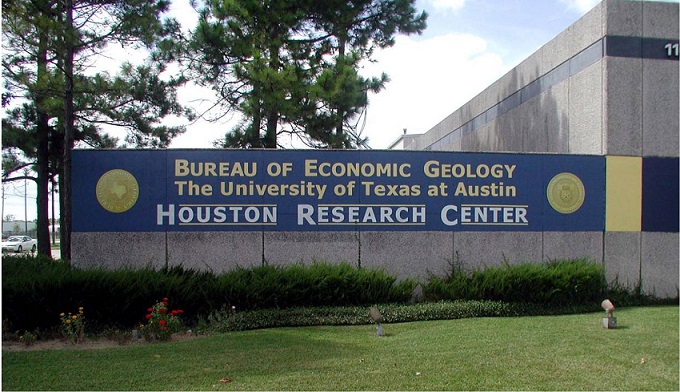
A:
19, 243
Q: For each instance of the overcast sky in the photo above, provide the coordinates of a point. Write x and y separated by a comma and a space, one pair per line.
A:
467, 45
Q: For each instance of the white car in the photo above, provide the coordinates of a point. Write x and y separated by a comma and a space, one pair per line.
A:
19, 243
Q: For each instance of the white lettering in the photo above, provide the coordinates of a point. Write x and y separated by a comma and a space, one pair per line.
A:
361, 214
445, 215
304, 214
185, 214
160, 214
484, 215
216, 215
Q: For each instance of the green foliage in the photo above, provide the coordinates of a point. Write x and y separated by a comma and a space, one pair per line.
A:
293, 66
230, 319
35, 290
317, 284
53, 101
28, 338
569, 282
136, 99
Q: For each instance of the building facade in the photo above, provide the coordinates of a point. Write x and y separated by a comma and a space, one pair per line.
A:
608, 85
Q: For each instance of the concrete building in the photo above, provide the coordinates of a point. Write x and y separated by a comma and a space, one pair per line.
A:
608, 85
18, 227
403, 142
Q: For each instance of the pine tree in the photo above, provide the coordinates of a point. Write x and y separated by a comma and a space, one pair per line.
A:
53, 103
292, 66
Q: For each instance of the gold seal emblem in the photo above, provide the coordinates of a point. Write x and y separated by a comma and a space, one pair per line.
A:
117, 190
566, 193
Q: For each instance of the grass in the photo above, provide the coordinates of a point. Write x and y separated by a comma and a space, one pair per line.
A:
537, 353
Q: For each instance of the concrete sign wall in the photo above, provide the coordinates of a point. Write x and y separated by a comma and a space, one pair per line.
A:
310, 190
412, 213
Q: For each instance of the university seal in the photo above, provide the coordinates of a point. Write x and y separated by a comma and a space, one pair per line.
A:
566, 193
117, 190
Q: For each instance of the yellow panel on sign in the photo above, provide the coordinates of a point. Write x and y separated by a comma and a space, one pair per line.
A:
623, 193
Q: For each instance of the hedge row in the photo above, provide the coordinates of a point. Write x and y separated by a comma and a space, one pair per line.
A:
571, 282
225, 320
35, 291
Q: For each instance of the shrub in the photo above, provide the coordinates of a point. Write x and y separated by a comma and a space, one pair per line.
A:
27, 338
161, 322
230, 319
317, 284
568, 282
34, 289
73, 326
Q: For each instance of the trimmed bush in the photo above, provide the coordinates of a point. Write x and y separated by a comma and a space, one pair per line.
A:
318, 284
36, 291
570, 282
231, 319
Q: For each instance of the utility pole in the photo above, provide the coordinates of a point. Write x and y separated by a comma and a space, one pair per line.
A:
25, 202
2, 214
54, 236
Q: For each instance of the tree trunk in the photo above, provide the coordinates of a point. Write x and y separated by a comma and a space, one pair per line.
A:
271, 114
253, 135
65, 186
270, 135
43, 153
342, 41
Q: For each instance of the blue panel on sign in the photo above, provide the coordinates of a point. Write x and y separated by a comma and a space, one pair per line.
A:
660, 194
117, 190
574, 187
313, 190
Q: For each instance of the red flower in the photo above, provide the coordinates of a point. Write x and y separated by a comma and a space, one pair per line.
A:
148, 316
165, 300
162, 323
162, 310
165, 328
150, 310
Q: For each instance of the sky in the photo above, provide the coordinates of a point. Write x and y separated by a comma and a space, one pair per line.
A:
467, 45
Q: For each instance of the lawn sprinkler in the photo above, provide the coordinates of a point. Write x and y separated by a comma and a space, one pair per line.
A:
378, 319
608, 322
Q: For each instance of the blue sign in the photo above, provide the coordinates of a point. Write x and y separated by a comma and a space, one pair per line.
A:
313, 190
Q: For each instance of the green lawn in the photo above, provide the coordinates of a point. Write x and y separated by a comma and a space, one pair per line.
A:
538, 353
